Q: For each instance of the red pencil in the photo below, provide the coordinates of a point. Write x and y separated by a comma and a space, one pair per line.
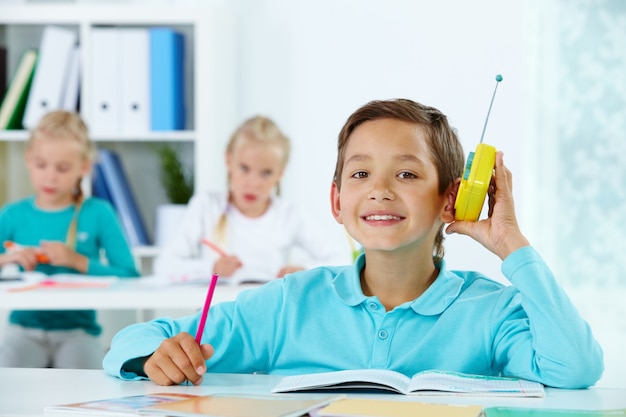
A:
205, 309
206, 242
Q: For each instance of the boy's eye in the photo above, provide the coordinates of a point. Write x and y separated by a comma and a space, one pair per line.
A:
359, 174
407, 175
244, 168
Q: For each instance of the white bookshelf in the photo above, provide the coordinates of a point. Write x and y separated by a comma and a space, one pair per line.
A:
210, 89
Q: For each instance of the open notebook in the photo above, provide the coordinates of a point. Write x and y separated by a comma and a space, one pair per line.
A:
425, 383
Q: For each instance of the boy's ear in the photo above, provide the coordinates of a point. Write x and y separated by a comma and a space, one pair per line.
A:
448, 212
335, 204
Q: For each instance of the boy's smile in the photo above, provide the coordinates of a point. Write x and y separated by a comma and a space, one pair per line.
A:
389, 195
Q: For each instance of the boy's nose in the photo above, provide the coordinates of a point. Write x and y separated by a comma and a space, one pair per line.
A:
381, 191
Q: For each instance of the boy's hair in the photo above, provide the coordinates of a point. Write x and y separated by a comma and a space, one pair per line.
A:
445, 148
260, 130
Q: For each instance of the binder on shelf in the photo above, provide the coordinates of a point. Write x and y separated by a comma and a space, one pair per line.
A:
105, 67
49, 81
122, 197
72, 85
167, 83
98, 184
135, 80
14, 101
3, 70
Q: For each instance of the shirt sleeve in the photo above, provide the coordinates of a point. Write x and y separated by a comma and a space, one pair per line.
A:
540, 334
230, 328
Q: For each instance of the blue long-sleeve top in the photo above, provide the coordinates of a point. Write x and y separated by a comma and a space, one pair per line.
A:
97, 229
319, 320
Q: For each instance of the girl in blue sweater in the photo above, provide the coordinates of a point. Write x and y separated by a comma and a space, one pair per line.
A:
54, 231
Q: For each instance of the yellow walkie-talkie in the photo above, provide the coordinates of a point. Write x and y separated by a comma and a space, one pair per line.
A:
476, 176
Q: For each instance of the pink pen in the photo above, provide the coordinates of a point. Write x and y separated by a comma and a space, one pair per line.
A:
205, 309
214, 247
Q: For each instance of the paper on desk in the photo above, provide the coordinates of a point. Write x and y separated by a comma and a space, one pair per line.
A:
362, 407
158, 281
31, 280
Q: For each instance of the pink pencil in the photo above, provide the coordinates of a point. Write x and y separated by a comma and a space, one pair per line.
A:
213, 246
205, 309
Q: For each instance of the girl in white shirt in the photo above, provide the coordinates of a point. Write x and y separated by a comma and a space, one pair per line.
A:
248, 231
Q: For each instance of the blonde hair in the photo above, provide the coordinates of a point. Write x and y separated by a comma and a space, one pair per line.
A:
65, 125
258, 130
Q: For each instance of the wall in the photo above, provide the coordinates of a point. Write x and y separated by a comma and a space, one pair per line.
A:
310, 64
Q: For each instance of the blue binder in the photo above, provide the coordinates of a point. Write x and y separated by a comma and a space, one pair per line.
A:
167, 80
120, 194
99, 186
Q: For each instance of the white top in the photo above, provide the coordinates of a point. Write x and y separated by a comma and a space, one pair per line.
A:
264, 244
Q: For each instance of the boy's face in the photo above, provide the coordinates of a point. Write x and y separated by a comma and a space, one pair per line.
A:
55, 166
389, 197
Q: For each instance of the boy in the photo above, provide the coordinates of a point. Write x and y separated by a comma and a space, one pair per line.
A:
397, 307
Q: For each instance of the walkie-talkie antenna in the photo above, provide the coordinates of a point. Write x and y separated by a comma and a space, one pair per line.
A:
498, 79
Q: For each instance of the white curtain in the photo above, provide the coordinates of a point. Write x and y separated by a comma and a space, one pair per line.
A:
575, 174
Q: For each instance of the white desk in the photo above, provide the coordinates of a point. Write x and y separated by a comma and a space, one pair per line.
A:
124, 294
25, 392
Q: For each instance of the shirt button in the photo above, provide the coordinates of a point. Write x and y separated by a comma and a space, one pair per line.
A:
383, 334
373, 306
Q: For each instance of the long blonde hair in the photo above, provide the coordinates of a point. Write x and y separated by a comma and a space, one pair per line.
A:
259, 130
65, 125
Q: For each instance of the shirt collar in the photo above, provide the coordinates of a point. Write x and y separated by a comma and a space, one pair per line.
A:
435, 300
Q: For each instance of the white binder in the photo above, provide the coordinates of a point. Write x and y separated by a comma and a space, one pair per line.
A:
72, 85
47, 91
105, 64
135, 75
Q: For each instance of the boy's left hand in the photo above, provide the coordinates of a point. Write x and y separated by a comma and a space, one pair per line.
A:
499, 232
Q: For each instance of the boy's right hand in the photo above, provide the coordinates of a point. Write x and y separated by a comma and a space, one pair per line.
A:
178, 359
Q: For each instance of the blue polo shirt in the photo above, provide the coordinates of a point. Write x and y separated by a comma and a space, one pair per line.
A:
319, 320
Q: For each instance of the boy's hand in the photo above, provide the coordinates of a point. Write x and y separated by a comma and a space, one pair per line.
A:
226, 266
178, 359
59, 254
500, 232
